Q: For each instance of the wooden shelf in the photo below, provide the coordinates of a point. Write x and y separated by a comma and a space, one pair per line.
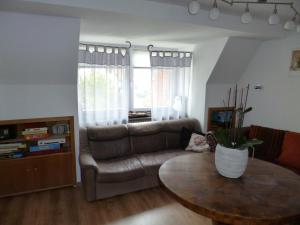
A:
43, 171
39, 156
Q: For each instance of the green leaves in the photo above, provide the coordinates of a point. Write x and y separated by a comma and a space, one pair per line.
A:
222, 137
234, 139
250, 143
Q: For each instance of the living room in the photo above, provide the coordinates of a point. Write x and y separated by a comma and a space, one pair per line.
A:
228, 58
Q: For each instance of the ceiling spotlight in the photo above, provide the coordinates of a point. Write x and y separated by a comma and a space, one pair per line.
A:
194, 7
290, 24
246, 17
274, 19
214, 13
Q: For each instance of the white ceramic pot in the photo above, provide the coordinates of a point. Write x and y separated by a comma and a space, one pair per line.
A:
229, 162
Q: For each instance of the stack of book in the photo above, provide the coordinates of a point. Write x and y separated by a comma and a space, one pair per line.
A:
12, 150
49, 145
35, 133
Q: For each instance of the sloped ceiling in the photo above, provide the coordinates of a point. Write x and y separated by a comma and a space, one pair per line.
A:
234, 60
141, 20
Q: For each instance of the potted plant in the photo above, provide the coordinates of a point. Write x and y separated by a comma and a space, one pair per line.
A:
231, 156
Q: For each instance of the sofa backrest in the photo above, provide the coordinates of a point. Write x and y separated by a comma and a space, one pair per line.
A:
146, 137
108, 142
272, 138
172, 130
121, 140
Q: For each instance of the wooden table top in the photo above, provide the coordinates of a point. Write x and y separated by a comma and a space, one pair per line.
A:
266, 194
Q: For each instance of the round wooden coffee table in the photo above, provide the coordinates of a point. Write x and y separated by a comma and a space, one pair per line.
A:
266, 194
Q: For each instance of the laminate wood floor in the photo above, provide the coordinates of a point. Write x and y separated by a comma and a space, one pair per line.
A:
68, 207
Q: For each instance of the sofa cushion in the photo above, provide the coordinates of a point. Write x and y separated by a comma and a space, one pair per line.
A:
143, 129
272, 138
177, 125
107, 133
119, 170
152, 161
290, 155
108, 142
146, 137
173, 129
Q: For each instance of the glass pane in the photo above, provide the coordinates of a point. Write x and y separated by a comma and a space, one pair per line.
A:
100, 88
141, 88
140, 58
162, 83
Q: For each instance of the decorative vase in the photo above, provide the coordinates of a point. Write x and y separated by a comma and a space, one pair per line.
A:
231, 163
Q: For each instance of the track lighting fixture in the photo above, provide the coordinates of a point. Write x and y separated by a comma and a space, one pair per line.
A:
246, 18
291, 24
274, 19
194, 7
214, 13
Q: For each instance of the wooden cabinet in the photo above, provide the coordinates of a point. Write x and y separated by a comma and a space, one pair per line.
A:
38, 172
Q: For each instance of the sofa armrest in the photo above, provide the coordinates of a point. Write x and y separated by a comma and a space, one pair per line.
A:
88, 167
86, 160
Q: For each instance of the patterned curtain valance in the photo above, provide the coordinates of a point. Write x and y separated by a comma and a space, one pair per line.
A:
170, 59
103, 55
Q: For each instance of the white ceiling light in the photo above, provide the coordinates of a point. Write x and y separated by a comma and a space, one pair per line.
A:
246, 17
274, 19
194, 7
290, 24
214, 13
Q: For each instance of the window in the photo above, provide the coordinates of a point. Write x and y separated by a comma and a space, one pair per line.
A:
118, 85
141, 96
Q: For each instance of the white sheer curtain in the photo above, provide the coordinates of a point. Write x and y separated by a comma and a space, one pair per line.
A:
103, 85
171, 73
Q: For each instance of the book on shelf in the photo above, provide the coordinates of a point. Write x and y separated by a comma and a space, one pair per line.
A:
34, 137
12, 154
45, 152
52, 139
8, 150
12, 145
52, 146
37, 129
33, 133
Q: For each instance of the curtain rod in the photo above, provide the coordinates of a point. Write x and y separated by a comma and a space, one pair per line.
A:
149, 47
107, 46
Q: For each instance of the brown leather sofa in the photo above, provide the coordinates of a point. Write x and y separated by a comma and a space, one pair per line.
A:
124, 158
269, 150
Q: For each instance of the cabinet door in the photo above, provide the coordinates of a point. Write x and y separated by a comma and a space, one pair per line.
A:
52, 171
30, 174
15, 176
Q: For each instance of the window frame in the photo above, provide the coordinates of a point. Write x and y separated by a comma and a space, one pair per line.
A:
131, 83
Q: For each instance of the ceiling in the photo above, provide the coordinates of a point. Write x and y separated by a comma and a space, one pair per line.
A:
117, 28
99, 25
261, 11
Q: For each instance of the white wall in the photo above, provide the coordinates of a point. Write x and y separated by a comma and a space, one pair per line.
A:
205, 58
278, 104
231, 64
38, 61
234, 59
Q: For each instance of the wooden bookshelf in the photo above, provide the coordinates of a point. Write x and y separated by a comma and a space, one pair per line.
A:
42, 170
